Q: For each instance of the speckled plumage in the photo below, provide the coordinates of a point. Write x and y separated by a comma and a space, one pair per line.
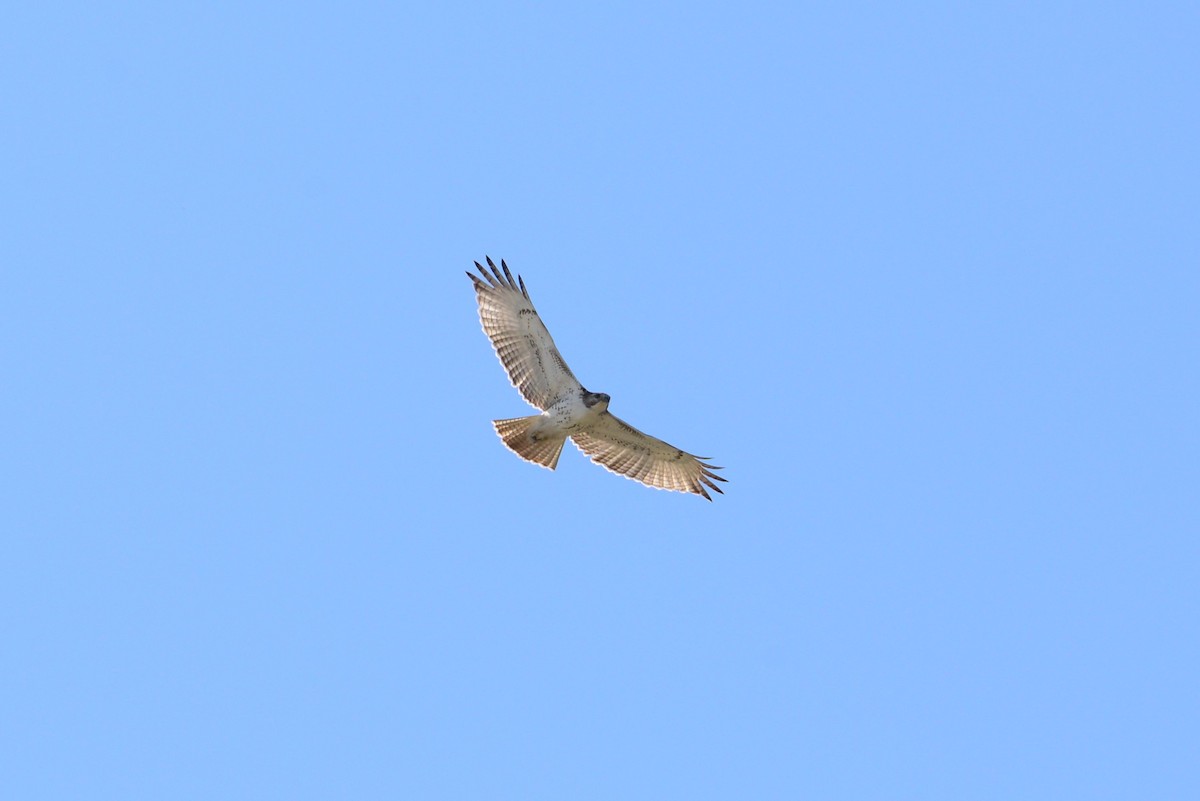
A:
540, 374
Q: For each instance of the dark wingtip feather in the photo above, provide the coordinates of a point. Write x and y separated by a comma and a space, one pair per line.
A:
511, 283
495, 270
524, 291
482, 272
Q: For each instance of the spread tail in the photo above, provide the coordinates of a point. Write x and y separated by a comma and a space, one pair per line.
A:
543, 450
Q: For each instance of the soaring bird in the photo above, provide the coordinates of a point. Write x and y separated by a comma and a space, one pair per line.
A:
541, 375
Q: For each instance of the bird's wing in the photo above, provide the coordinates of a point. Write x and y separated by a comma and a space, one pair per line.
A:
622, 449
524, 346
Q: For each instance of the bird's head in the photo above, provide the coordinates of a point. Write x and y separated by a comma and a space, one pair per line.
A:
592, 400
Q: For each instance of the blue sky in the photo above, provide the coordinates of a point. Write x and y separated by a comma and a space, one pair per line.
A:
923, 277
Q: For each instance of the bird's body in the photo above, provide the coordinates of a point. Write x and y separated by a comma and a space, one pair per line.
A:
540, 373
574, 411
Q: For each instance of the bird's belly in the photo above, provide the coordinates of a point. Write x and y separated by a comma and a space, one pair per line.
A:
568, 414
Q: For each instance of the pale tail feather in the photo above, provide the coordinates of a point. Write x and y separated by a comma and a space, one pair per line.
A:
515, 433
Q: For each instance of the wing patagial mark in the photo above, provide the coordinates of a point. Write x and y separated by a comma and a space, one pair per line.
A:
558, 359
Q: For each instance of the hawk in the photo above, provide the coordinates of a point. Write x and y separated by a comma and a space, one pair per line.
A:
540, 374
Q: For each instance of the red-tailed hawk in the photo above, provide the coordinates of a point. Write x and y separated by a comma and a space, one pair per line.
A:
538, 371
